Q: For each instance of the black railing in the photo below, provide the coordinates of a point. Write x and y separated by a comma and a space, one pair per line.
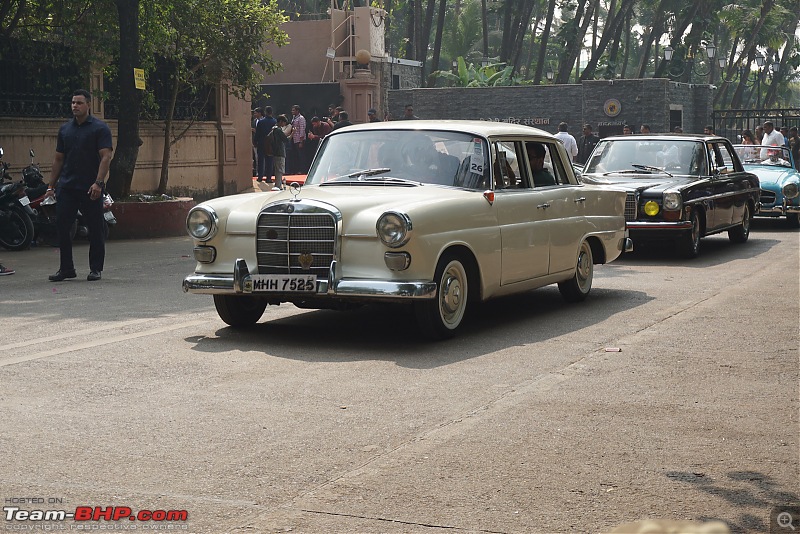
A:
37, 80
731, 122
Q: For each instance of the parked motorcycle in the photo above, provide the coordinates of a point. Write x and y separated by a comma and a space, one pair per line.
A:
44, 221
16, 227
44, 218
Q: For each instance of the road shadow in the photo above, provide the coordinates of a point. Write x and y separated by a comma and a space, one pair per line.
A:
390, 332
715, 250
744, 490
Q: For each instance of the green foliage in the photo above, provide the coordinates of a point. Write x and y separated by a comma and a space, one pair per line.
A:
470, 75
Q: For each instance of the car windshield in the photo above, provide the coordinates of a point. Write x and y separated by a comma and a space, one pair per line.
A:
644, 157
774, 156
401, 157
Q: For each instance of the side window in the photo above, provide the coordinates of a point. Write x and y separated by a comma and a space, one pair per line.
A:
721, 158
555, 164
546, 168
506, 165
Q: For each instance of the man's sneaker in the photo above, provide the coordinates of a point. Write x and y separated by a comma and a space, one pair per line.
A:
5, 270
62, 275
93, 276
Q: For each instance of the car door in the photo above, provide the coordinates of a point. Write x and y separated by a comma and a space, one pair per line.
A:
724, 177
566, 211
524, 227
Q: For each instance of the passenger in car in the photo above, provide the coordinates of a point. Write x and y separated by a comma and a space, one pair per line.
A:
541, 176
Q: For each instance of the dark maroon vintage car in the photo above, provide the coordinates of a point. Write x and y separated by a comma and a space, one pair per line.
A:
680, 187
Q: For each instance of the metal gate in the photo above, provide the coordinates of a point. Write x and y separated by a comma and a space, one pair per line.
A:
731, 122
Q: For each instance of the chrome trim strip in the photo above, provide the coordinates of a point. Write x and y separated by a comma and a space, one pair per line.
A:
676, 225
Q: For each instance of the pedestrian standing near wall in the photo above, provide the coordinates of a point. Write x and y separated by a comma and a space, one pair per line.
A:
80, 167
586, 144
296, 159
569, 142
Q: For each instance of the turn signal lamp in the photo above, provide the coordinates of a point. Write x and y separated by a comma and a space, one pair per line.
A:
651, 208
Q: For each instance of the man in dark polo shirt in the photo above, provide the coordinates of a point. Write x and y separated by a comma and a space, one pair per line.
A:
80, 166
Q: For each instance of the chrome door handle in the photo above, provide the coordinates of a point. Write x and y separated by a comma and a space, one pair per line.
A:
581, 199
543, 206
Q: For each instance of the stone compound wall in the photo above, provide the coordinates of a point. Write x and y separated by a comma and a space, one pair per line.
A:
606, 105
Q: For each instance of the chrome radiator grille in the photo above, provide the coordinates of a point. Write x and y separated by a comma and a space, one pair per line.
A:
767, 197
285, 239
630, 207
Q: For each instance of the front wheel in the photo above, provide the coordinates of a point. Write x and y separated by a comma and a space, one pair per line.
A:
689, 244
439, 318
16, 229
793, 219
740, 233
577, 288
239, 311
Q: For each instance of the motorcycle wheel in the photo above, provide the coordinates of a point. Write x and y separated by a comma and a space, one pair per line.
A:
16, 231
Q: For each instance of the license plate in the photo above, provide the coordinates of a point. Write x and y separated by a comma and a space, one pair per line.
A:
281, 283
24, 201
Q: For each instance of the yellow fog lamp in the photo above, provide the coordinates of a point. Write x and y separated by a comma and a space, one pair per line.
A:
651, 208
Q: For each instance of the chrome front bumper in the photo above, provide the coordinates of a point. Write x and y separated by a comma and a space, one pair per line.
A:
237, 284
779, 209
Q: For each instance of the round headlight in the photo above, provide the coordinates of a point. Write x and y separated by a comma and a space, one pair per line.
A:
672, 201
394, 229
790, 190
651, 208
202, 223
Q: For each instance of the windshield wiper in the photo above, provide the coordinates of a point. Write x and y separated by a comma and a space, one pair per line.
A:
392, 179
365, 172
650, 168
639, 169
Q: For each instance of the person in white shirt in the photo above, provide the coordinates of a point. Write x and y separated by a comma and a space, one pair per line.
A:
772, 137
569, 142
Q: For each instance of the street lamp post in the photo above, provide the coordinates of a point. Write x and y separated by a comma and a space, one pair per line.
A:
669, 54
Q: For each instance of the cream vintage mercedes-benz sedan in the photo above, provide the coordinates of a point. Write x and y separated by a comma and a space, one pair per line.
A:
441, 214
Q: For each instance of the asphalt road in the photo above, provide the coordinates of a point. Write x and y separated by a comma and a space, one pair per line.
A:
672, 393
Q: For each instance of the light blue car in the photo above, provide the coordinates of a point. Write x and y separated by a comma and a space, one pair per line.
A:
779, 177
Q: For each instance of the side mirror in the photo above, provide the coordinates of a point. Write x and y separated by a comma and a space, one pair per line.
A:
32, 154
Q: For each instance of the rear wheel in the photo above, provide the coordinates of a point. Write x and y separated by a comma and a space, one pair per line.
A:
740, 233
689, 244
439, 318
578, 287
239, 311
16, 229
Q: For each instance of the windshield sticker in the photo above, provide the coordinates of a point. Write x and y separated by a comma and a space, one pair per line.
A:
477, 161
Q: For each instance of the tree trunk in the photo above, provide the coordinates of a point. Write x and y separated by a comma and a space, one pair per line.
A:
677, 34
551, 9
485, 23
425, 39
130, 102
524, 24
791, 27
609, 31
162, 183
750, 50
437, 42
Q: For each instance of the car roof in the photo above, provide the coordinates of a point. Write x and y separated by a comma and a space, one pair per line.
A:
481, 128
666, 136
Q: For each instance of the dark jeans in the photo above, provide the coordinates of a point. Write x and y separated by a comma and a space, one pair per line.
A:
264, 165
69, 201
296, 160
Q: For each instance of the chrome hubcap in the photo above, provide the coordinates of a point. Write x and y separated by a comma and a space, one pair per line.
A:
451, 294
